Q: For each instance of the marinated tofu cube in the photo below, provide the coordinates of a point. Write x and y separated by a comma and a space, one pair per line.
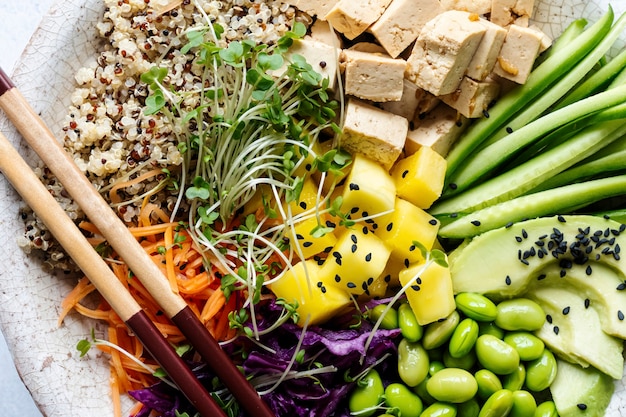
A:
317, 8
406, 107
373, 77
373, 132
443, 51
486, 54
472, 97
437, 130
322, 57
321, 31
427, 103
518, 54
505, 12
401, 23
353, 17
480, 7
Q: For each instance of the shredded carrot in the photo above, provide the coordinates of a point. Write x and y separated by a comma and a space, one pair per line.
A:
169, 259
115, 198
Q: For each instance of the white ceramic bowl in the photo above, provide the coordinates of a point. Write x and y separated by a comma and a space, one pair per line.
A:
61, 383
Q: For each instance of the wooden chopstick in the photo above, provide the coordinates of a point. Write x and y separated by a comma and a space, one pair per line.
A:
35, 194
43, 142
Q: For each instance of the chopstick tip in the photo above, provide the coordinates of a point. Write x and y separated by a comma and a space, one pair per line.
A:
5, 82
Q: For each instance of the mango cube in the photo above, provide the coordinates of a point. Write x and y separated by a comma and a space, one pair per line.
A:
310, 245
419, 177
405, 226
430, 293
316, 301
355, 261
368, 190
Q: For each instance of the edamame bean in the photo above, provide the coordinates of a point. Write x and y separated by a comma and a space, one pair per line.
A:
520, 314
499, 404
439, 332
528, 345
452, 385
469, 408
439, 410
476, 306
495, 355
413, 362
401, 397
367, 395
546, 409
463, 338
435, 366
524, 404
466, 362
515, 380
488, 383
390, 318
409, 327
422, 392
540, 373
490, 328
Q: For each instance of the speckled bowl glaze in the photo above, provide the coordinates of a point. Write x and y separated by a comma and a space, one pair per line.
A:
61, 383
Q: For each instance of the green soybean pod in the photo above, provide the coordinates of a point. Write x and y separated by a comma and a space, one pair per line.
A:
463, 338
469, 408
390, 318
439, 332
540, 373
440, 409
515, 380
528, 345
476, 306
466, 362
524, 404
452, 385
413, 362
546, 409
399, 396
409, 327
495, 355
367, 395
488, 383
499, 404
490, 328
520, 314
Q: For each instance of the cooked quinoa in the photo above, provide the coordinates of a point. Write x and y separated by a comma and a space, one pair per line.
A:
106, 131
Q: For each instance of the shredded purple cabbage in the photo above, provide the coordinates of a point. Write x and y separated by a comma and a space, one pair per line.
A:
319, 395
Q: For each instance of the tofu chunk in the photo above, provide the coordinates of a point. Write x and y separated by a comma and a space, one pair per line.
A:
407, 106
322, 57
352, 17
517, 56
373, 132
443, 51
437, 130
374, 77
472, 98
473, 6
321, 31
401, 23
317, 8
486, 54
505, 12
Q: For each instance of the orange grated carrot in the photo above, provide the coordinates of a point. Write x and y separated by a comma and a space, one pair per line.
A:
115, 198
169, 259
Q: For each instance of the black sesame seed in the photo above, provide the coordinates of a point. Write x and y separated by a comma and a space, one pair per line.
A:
389, 227
566, 311
582, 406
556, 329
621, 286
588, 270
524, 234
351, 285
323, 289
418, 280
370, 281
587, 302
509, 224
307, 244
353, 238
541, 276
620, 315
476, 222
415, 287
368, 257
509, 129
405, 173
365, 230
507, 280
353, 248
406, 263
320, 284
303, 205
518, 238
549, 318
354, 187
453, 186
561, 219
486, 114
433, 222
337, 278
330, 224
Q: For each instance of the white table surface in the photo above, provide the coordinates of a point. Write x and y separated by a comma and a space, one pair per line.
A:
19, 20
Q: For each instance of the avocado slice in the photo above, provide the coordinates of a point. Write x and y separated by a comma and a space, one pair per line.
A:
584, 392
573, 330
502, 262
604, 293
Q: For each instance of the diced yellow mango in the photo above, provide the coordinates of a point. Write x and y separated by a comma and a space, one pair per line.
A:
406, 225
368, 190
378, 288
430, 293
316, 302
308, 244
307, 199
419, 177
355, 261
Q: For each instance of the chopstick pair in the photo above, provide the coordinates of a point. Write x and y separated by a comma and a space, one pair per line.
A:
43, 142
